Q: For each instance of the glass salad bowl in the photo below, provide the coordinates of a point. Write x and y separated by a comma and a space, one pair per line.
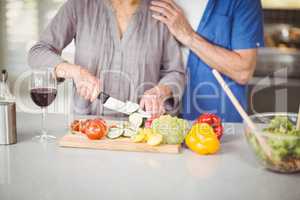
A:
278, 130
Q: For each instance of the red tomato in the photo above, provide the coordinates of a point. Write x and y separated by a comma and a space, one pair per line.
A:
75, 126
99, 120
83, 125
96, 130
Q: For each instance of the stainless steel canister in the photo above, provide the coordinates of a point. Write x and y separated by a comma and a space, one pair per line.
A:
8, 129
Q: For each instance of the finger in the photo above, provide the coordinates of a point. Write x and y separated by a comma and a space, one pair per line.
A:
162, 110
148, 105
155, 107
161, 19
160, 4
82, 92
95, 91
142, 103
86, 90
88, 96
162, 11
173, 4
78, 85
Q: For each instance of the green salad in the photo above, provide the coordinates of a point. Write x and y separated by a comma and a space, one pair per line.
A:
284, 141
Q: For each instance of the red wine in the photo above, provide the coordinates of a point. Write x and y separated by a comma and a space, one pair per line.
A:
43, 97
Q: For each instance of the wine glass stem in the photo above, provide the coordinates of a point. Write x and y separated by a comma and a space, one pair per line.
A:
44, 132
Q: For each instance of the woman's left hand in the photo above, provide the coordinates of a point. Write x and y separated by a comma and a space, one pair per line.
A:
153, 100
169, 13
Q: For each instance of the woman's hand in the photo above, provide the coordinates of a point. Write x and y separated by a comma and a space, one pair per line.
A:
153, 100
173, 16
87, 85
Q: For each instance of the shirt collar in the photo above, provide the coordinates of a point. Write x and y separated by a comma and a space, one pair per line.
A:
144, 4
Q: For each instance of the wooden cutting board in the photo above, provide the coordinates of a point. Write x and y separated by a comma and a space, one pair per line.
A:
121, 144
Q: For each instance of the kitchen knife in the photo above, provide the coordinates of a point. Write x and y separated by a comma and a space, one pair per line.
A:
120, 106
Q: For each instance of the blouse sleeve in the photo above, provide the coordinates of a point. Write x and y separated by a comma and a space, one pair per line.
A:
172, 71
58, 34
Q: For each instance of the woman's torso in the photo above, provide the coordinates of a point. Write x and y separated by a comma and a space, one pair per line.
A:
127, 66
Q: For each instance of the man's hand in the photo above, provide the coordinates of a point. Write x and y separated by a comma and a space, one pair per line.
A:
153, 100
239, 65
173, 16
87, 85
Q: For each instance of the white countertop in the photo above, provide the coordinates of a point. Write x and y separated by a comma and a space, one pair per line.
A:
34, 171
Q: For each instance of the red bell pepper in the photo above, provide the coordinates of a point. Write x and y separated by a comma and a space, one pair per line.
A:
214, 121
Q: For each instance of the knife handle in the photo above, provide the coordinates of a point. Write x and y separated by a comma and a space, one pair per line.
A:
103, 97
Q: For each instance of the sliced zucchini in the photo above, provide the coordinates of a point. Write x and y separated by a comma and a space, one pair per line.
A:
129, 132
115, 133
136, 120
125, 124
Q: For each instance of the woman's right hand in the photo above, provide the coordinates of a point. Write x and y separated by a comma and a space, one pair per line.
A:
87, 85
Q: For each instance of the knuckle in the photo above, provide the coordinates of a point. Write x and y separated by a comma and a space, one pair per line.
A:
177, 14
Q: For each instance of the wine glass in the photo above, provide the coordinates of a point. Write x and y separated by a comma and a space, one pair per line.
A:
43, 91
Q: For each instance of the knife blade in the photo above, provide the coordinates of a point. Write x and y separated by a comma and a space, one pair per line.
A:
119, 106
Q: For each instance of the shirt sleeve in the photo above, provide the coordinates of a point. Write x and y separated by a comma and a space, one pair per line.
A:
172, 71
46, 53
247, 30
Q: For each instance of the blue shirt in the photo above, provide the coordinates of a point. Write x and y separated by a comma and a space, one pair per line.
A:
231, 24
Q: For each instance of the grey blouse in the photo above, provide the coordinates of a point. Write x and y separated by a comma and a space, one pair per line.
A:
145, 56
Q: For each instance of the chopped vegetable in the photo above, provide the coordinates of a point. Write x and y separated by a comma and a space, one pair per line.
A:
96, 129
129, 132
148, 122
202, 139
172, 129
136, 120
283, 147
83, 125
75, 126
155, 139
148, 135
139, 138
147, 132
282, 126
214, 121
115, 133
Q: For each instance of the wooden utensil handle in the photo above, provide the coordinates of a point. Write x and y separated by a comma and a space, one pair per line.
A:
242, 112
298, 121
234, 100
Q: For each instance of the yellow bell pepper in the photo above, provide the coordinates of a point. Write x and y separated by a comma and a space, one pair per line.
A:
202, 139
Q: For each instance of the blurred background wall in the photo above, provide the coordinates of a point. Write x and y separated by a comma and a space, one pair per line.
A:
21, 23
